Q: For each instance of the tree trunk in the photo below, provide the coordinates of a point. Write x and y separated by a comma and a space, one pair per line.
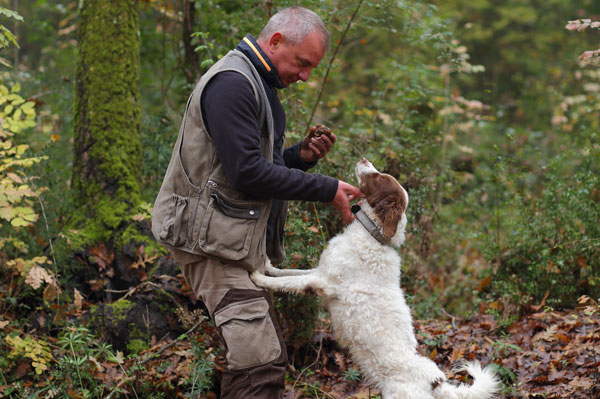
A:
106, 183
191, 66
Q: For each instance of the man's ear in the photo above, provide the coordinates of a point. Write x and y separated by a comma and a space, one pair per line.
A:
276, 40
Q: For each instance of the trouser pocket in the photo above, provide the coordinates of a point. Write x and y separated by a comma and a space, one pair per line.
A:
249, 333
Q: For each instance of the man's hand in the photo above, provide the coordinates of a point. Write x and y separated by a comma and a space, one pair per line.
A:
317, 143
346, 193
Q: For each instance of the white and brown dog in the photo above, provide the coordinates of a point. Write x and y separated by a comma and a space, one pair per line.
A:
359, 276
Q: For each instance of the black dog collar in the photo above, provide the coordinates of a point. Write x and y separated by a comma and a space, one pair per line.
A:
368, 224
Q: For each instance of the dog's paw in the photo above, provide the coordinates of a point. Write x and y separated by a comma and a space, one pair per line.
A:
257, 278
256, 275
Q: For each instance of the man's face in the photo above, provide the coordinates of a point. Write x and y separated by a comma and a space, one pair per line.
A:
295, 62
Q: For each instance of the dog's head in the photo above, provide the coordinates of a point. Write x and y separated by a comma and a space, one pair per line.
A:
386, 198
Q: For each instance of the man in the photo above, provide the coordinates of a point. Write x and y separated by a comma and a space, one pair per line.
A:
222, 205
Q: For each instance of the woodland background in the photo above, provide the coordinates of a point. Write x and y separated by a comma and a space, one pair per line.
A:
487, 111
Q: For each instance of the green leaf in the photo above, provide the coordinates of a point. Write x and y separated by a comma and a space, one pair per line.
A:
8, 34
11, 14
7, 213
207, 63
28, 109
21, 149
19, 222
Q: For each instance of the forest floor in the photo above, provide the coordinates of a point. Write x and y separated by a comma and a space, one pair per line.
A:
545, 354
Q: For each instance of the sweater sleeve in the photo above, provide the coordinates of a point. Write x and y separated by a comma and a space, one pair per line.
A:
292, 158
231, 115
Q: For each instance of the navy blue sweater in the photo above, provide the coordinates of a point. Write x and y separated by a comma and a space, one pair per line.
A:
231, 114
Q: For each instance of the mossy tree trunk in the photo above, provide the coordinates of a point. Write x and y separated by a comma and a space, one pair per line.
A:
106, 183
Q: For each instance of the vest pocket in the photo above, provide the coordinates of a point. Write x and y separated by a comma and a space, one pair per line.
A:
175, 228
228, 226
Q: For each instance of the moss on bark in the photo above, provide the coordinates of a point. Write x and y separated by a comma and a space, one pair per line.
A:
106, 183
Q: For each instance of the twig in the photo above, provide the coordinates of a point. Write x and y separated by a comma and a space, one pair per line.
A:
445, 140
313, 363
579, 241
38, 95
450, 316
337, 48
132, 290
319, 222
150, 356
39, 197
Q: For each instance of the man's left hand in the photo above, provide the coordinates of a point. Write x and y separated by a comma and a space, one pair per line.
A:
317, 143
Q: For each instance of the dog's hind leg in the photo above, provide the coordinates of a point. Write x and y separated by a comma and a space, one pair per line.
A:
303, 284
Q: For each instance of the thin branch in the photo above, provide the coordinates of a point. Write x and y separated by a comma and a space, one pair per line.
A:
337, 49
39, 198
153, 355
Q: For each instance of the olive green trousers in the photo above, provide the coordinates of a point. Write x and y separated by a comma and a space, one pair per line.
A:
244, 316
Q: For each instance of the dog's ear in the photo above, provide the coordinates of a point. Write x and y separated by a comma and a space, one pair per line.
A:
389, 211
369, 183
384, 195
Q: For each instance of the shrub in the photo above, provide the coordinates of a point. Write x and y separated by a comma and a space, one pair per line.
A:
552, 247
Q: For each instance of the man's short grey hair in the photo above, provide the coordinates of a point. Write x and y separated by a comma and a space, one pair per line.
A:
295, 23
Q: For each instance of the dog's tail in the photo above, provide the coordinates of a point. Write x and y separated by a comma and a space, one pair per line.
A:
485, 384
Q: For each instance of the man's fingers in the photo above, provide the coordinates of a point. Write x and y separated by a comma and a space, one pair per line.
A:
347, 216
346, 193
319, 148
321, 145
315, 149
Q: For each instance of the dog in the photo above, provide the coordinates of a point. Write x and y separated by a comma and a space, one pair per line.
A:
359, 276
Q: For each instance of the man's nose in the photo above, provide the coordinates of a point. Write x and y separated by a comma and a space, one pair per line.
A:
304, 74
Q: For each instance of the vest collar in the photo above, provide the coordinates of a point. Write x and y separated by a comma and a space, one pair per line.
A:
261, 62
369, 224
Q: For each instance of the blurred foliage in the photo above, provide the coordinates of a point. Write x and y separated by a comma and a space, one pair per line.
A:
432, 93
552, 245
527, 53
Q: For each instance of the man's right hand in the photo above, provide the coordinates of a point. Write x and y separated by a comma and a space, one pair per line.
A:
346, 193
317, 143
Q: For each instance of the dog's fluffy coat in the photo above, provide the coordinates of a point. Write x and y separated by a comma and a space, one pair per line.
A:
360, 280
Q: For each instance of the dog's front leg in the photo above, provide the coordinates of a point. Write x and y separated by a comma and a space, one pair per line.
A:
275, 272
270, 270
303, 284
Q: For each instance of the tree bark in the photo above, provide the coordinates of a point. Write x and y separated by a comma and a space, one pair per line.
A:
106, 183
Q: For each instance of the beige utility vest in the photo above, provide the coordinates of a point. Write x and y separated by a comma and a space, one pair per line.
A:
197, 210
